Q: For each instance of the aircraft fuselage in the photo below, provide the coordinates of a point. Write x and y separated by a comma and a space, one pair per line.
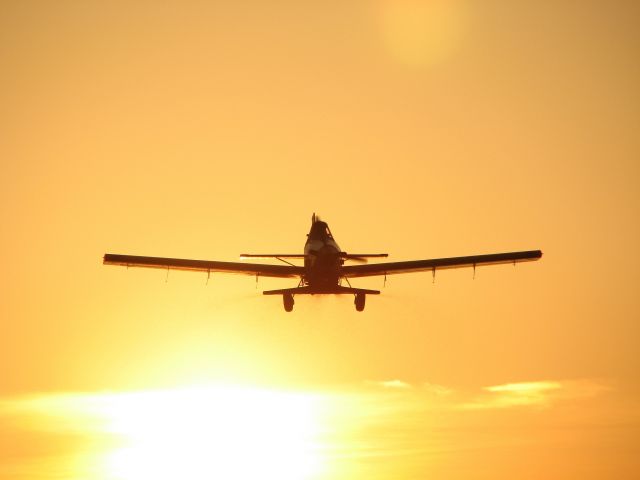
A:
323, 260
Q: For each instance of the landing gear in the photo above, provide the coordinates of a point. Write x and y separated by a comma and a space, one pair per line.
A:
359, 301
287, 299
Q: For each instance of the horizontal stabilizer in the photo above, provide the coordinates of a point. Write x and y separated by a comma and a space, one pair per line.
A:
299, 255
271, 255
333, 290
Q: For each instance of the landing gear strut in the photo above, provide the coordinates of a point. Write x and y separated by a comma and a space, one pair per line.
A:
287, 299
359, 301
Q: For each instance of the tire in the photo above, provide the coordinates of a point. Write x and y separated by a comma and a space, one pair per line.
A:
287, 300
360, 301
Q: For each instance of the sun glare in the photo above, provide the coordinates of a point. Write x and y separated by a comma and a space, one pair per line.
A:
228, 432
422, 32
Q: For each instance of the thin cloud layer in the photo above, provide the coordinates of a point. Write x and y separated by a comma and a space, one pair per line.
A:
538, 394
535, 394
393, 384
358, 430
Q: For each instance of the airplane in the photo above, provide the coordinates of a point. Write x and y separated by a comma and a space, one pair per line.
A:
324, 268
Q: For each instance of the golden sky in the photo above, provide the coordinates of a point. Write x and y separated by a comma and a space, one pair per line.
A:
419, 128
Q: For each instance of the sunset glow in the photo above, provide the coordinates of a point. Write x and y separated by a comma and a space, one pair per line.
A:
202, 432
421, 129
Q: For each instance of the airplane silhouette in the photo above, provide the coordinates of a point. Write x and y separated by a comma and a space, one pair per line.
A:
324, 268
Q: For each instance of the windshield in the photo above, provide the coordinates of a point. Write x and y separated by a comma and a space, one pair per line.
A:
320, 230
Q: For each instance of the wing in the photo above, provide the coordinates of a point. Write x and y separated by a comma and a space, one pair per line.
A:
439, 263
204, 265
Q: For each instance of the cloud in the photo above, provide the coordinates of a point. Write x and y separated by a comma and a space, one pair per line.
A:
393, 384
439, 390
525, 388
537, 394
426, 387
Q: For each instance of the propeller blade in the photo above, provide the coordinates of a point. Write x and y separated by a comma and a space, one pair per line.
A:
353, 258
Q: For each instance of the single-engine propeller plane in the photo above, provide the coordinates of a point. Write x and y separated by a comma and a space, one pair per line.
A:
324, 268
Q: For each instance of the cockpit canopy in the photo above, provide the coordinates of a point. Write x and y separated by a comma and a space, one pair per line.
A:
320, 230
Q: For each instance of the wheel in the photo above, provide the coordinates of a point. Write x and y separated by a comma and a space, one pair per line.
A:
359, 301
287, 299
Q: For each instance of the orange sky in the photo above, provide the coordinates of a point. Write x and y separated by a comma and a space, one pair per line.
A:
422, 129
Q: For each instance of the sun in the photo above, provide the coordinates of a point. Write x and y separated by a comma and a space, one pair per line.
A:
221, 432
